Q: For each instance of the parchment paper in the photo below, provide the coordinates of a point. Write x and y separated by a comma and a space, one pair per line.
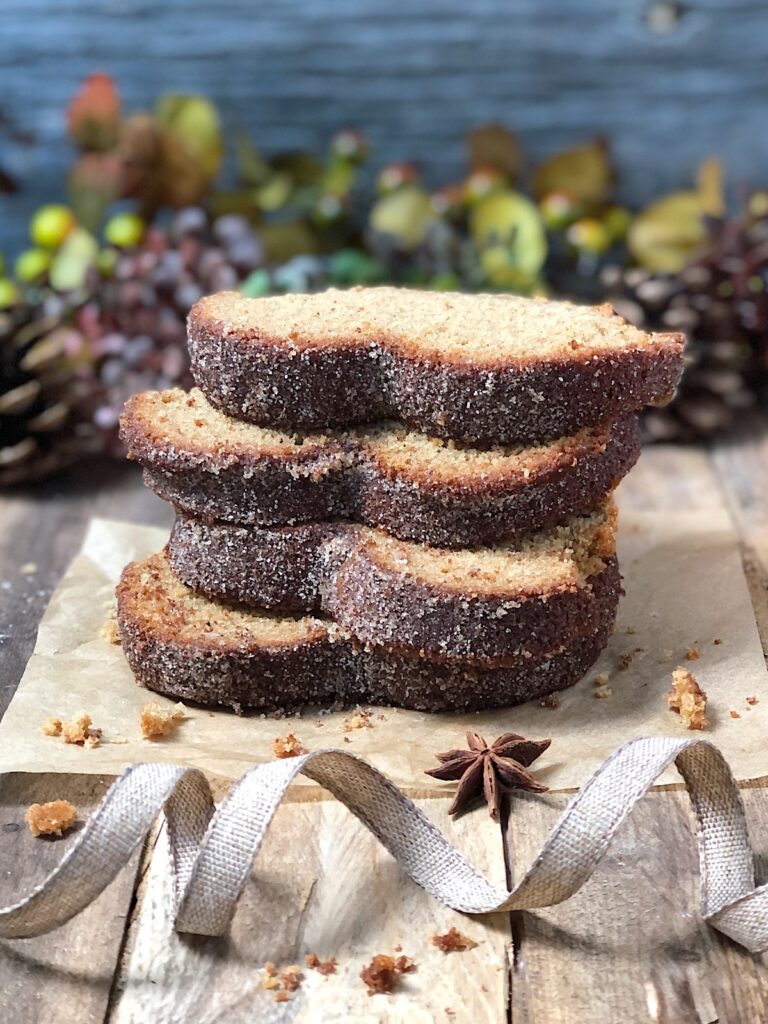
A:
684, 588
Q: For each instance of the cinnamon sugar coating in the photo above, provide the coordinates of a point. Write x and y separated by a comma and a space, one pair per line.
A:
483, 368
180, 644
414, 486
477, 606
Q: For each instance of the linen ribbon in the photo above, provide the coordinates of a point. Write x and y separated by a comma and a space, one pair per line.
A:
213, 849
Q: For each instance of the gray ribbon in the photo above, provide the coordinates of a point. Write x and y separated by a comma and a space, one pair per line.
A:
213, 849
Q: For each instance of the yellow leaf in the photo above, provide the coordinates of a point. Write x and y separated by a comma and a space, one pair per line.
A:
664, 236
584, 173
709, 182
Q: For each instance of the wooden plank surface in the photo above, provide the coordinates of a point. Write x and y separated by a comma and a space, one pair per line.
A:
668, 83
65, 976
630, 946
322, 884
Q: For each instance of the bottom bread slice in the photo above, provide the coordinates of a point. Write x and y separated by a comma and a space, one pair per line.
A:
181, 644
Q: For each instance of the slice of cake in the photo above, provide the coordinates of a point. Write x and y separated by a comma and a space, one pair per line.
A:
185, 646
413, 486
494, 369
478, 606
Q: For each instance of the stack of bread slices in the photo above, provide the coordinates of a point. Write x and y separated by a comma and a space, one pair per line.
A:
387, 496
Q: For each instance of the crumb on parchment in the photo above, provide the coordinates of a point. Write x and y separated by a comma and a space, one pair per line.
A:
50, 819
688, 699
361, 719
156, 720
692, 653
288, 746
109, 630
79, 730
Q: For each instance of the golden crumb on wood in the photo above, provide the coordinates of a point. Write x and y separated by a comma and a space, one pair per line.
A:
156, 720
313, 961
282, 982
51, 819
287, 746
382, 973
453, 941
688, 699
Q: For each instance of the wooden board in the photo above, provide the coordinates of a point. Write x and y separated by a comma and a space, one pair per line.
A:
630, 946
65, 976
323, 885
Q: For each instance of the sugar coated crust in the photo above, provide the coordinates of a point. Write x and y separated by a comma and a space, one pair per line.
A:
413, 486
490, 369
483, 605
184, 646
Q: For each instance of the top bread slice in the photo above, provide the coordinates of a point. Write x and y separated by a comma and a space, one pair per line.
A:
480, 368
411, 485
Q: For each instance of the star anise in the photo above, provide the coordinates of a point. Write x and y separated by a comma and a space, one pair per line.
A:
490, 769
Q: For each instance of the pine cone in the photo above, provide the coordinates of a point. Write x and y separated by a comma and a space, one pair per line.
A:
43, 379
719, 301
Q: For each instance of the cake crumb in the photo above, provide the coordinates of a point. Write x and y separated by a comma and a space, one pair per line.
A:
734, 714
52, 726
156, 720
282, 982
688, 699
752, 701
361, 719
51, 819
601, 679
288, 746
625, 660
717, 641
326, 967
80, 731
453, 941
665, 655
601, 692
382, 973
109, 631
551, 701
692, 653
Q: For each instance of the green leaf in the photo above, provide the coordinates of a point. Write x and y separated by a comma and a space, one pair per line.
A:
493, 145
585, 173
664, 236
193, 122
403, 214
510, 221
78, 253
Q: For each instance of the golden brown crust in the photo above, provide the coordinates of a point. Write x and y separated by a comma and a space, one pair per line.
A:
488, 369
476, 606
239, 671
413, 486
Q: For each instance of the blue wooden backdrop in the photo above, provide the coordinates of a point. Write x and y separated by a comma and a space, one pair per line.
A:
668, 83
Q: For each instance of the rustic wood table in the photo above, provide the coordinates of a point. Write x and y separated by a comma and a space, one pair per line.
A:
628, 948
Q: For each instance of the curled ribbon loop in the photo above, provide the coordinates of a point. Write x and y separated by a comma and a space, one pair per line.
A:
213, 849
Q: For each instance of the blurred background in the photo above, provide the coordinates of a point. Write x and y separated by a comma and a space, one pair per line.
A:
150, 154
